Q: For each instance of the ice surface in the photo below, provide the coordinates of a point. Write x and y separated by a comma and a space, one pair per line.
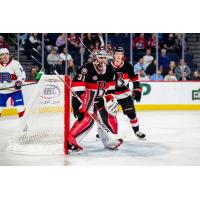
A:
173, 138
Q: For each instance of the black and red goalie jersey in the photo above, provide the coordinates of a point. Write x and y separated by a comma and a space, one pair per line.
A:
88, 77
125, 74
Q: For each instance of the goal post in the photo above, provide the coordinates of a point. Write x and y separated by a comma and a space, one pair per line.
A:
66, 112
46, 123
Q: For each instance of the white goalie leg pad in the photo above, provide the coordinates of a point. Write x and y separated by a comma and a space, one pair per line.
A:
106, 135
108, 139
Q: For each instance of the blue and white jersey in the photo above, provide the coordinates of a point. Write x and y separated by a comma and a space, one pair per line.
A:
9, 74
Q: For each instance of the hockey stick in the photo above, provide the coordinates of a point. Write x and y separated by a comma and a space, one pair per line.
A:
12, 87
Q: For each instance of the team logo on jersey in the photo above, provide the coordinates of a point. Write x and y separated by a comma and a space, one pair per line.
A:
94, 78
50, 91
5, 76
84, 71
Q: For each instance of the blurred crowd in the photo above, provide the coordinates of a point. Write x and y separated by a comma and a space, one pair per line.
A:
67, 58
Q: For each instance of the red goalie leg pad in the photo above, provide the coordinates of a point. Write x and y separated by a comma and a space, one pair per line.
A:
72, 140
79, 129
112, 121
87, 100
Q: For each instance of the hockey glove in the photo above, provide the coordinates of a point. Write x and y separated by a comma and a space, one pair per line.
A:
137, 94
111, 105
18, 85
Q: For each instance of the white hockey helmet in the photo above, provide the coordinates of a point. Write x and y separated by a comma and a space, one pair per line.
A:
3, 51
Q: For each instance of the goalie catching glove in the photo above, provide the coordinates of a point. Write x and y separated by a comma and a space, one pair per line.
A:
110, 103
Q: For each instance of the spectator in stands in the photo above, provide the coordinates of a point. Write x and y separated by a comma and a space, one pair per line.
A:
109, 51
143, 76
152, 43
188, 57
90, 59
170, 76
34, 41
163, 62
74, 46
196, 75
53, 37
185, 77
169, 44
138, 66
100, 38
172, 66
32, 46
48, 42
151, 69
34, 71
139, 46
181, 68
22, 39
54, 60
88, 41
173, 56
148, 58
139, 43
96, 46
60, 42
157, 76
178, 43
70, 63
3, 44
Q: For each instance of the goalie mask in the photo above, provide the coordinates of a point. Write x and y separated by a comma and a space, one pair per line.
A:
101, 61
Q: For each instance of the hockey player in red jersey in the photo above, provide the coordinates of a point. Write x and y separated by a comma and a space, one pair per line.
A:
94, 84
125, 74
12, 76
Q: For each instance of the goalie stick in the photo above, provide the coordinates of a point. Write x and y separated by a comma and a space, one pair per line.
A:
69, 87
86, 47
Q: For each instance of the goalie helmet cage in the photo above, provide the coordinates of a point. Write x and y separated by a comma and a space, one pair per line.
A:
45, 125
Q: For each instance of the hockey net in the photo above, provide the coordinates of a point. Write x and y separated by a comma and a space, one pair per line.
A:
45, 125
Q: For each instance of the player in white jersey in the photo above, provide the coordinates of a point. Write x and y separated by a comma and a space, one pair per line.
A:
12, 76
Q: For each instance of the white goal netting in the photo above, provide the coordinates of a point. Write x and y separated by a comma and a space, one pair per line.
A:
42, 127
